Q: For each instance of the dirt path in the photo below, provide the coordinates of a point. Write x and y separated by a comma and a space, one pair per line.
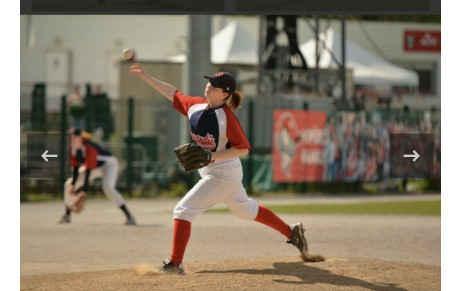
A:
255, 274
375, 252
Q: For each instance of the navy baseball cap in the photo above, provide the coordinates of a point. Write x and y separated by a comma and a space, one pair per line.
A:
223, 80
75, 131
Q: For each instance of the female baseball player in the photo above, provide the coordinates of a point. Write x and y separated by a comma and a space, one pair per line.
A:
90, 161
215, 128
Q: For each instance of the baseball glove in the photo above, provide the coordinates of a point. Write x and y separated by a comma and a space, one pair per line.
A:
192, 157
78, 203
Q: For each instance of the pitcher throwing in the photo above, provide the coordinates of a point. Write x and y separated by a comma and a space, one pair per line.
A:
221, 141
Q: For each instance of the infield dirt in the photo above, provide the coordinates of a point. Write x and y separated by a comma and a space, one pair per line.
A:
97, 252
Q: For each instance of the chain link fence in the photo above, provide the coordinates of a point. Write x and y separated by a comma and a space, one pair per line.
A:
143, 134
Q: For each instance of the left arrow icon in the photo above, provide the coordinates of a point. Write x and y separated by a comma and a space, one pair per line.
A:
45, 156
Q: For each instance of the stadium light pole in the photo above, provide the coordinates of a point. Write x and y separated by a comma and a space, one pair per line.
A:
343, 73
317, 54
198, 62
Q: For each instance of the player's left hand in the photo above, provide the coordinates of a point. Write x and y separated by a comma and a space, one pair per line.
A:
192, 157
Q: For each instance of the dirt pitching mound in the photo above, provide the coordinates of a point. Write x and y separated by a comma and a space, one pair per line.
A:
253, 274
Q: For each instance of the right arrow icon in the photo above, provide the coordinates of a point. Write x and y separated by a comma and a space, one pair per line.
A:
415, 156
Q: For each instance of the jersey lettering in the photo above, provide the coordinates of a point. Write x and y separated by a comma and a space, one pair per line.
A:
208, 142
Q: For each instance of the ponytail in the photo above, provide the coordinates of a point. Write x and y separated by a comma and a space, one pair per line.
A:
86, 136
234, 101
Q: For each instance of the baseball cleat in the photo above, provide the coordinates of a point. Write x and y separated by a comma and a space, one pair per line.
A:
170, 268
65, 219
298, 239
130, 221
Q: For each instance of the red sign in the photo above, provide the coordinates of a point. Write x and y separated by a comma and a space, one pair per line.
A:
298, 150
422, 41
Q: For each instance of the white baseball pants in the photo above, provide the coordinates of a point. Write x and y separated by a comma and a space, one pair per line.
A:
108, 172
220, 181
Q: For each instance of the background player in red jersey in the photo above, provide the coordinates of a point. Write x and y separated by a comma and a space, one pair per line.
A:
90, 161
215, 128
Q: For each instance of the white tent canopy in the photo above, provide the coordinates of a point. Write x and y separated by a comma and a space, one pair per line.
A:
368, 69
231, 45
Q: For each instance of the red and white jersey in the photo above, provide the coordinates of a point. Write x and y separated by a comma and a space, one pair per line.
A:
93, 156
214, 129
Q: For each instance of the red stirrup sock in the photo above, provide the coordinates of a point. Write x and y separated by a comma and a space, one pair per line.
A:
181, 235
267, 217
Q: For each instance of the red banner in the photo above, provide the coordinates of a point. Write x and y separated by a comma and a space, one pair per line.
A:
298, 149
422, 41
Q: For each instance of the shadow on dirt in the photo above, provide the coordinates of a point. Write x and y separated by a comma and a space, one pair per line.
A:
309, 275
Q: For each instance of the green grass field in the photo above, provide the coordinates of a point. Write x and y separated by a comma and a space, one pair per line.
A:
395, 208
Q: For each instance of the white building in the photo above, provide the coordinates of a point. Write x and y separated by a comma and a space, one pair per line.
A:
386, 39
63, 50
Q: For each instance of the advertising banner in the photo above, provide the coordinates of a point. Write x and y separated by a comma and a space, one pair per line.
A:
422, 41
298, 149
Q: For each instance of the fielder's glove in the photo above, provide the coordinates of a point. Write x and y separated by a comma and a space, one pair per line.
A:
78, 203
192, 157
79, 206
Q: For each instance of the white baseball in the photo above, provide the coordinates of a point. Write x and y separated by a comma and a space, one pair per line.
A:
128, 54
